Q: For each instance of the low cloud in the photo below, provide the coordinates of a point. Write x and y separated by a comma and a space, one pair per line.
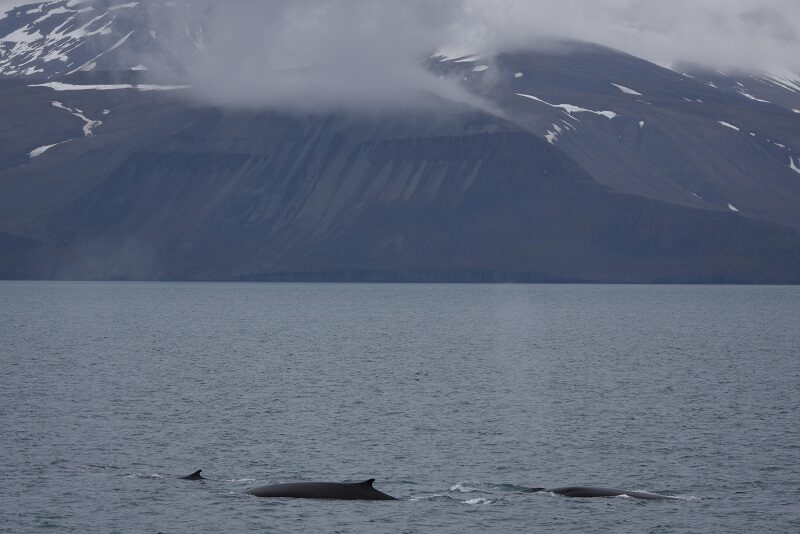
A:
366, 53
727, 34
337, 53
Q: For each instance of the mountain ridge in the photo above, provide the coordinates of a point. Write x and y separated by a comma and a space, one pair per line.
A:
597, 167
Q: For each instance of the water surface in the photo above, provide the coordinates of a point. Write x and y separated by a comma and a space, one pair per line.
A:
454, 397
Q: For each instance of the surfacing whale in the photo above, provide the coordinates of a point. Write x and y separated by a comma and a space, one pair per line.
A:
358, 491
586, 491
194, 476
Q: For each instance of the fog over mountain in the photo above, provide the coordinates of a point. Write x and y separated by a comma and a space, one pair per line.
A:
311, 53
308, 53
438, 140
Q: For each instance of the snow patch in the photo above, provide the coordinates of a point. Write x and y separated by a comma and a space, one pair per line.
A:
20, 35
751, 97
785, 82
641, 124
729, 125
792, 165
796, 110
732, 207
569, 109
480, 68
153, 87
41, 150
61, 86
139, 67
627, 90
552, 135
88, 127
518, 75
89, 65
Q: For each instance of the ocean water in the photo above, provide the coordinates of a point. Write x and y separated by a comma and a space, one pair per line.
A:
454, 397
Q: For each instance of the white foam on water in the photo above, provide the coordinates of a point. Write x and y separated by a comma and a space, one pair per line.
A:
480, 500
435, 496
462, 487
149, 476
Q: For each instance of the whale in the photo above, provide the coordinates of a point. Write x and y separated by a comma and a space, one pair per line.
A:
588, 491
194, 476
358, 491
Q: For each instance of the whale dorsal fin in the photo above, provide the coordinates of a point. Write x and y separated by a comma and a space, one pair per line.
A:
194, 476
367, 482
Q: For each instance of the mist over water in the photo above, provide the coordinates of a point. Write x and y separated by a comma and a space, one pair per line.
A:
454, 397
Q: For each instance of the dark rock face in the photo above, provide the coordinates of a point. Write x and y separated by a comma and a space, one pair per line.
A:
573, 179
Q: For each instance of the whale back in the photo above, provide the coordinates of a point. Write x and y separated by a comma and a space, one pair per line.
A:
194, 476
586, 491
360, 491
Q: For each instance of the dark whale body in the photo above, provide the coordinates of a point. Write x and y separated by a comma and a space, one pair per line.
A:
359, 491
194, 476
586, 491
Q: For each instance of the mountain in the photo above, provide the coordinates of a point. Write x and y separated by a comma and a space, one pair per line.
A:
51, 39
586, 164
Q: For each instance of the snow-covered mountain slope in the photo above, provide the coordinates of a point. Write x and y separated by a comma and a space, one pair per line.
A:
57, 38
651, 131
586, 164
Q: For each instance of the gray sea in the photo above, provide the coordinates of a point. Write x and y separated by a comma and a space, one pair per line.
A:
454, 397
